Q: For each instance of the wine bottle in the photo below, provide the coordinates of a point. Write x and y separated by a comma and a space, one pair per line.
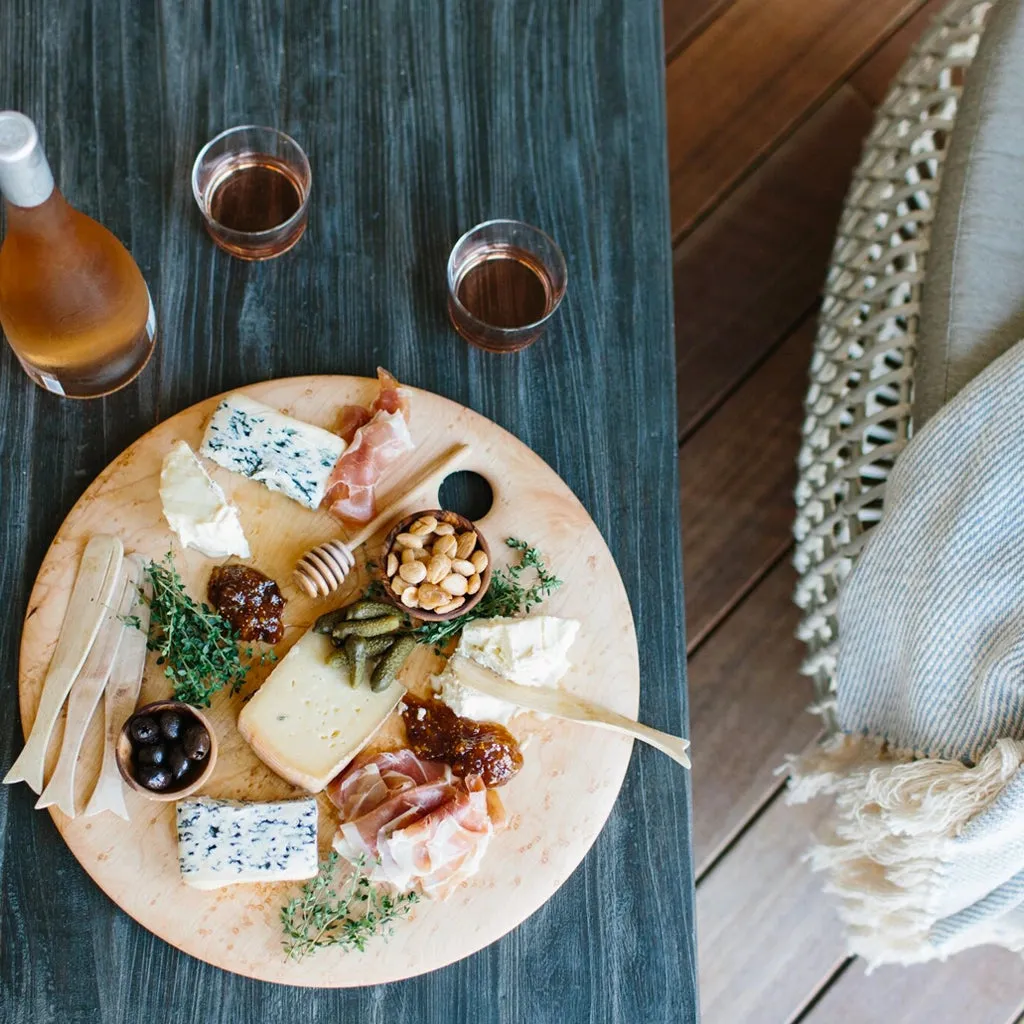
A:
73, 303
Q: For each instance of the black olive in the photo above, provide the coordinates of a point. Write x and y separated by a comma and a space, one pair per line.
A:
170, 724
154, 777
196, 742
152, 755
178, 764
144, 729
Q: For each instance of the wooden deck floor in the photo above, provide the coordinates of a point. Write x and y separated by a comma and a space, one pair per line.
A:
768, 102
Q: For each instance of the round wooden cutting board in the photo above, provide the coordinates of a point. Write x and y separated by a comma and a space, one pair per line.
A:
557, 804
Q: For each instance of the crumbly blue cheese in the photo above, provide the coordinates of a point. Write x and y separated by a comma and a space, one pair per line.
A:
221, 842
263, 444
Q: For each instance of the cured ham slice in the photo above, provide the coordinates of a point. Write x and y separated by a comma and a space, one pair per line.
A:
376, 438
413, 822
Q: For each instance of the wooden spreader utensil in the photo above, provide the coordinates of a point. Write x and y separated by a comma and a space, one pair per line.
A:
321, 571
94, 589
119, 700
87, 690
560, 704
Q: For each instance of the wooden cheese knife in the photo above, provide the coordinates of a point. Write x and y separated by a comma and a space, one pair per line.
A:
94, 589
119, 700
86, 692
560, 704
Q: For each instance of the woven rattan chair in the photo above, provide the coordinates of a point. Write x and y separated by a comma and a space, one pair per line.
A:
858, 407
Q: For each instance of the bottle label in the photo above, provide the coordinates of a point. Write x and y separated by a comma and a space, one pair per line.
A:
151, 319
50, 383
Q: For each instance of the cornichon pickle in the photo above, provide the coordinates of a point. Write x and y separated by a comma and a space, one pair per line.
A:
329, 620
343, 663
367, 627
389, 666
355, 646
378, 645
367, 609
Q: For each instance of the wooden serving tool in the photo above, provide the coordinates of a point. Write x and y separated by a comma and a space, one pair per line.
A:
94, 589
322, 571
550, 701
86, 692
119, 700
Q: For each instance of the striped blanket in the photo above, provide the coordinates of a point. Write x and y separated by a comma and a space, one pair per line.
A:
926, 847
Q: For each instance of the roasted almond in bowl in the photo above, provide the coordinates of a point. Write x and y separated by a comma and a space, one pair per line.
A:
435, 565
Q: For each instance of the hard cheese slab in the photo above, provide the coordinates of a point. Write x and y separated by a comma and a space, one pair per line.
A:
556, 805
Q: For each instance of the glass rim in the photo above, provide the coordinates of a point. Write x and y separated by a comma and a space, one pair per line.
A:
453, 293
266, 232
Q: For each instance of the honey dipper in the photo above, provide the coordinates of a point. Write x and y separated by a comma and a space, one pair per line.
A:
322, 570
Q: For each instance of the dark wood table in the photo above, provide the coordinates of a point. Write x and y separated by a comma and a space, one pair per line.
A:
420, 119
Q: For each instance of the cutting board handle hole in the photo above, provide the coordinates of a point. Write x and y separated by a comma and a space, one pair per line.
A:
467, 493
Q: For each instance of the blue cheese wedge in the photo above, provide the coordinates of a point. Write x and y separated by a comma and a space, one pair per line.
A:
195, 507
284, 454
305, 722
222, 842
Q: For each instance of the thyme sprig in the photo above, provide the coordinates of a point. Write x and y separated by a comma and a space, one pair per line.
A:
507, 595
197, 647
319, 917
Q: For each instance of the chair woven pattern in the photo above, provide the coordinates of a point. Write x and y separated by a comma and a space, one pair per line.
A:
857, 413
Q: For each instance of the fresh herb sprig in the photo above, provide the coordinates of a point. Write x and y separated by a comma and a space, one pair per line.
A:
197, 647
507, 595
319, 917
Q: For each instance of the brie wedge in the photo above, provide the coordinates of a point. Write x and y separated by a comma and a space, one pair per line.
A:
533, 651
196, 509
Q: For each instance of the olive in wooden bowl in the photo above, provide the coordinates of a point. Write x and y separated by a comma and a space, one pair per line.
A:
166, 750
435, 564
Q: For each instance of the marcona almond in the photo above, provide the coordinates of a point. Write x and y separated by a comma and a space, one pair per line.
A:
423, 526
438, 568
410, 597
462, 567
450, 606
409, 540
444, 529
430, 596
479, 560
466, 543
408, 555
392, 564
454, 584
473, 584
413, 572
398, 585
446, 545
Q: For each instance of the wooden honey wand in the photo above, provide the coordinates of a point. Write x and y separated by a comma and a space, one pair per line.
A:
322, 570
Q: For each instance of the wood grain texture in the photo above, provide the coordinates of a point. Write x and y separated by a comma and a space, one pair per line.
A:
420, 120
578, 770
872, 78
748, 706
755, 266
683, 19
983, 986
745, 82
768, 935
737, 475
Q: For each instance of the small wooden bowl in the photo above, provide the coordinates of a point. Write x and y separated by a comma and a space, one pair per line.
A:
461, 524
124, 751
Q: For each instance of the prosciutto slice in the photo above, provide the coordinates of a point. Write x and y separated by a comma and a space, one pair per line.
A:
413, 823
376, 437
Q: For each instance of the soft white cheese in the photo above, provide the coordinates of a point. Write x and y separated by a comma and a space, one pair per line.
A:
533, 651
196, 509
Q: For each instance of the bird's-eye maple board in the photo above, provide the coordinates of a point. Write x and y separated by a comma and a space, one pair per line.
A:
556, 806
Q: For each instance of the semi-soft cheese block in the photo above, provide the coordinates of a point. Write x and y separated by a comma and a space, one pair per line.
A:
195, 507
263, 444
306, 722
532, 651
221, 842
